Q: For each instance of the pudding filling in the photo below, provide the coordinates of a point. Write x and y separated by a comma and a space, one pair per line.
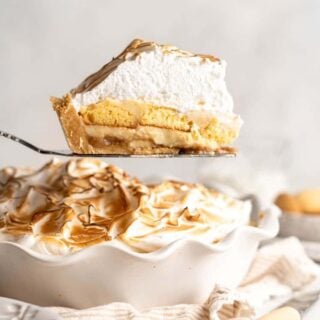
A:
141, 125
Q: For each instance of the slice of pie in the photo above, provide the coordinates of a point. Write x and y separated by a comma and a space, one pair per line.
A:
151, 99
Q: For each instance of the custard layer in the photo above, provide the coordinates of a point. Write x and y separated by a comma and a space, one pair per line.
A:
132, 127
162, 125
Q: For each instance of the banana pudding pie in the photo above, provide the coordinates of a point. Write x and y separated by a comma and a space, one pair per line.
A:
151, 99
66, 206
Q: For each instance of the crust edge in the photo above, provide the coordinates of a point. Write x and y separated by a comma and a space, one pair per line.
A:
71, 124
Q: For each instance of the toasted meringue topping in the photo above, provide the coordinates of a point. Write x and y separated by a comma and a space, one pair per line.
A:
64, 207
177, 210
161, 75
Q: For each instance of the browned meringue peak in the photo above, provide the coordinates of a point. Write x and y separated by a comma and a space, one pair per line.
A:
177, 210
82, 202
136, 47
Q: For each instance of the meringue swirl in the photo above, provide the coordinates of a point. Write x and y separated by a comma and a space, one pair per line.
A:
66, 206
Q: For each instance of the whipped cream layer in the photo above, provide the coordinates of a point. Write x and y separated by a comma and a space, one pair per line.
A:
159, 75
66, 206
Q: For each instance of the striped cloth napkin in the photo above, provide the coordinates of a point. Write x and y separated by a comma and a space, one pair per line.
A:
279, 269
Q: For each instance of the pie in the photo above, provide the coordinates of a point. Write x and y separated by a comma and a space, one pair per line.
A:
66, 206
151, 99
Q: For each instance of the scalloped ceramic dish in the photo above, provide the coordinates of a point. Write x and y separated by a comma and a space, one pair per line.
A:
183, 272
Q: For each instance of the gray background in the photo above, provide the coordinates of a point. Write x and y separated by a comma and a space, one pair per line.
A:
273, 54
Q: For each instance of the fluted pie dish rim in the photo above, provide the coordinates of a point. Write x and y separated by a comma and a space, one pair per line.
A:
268, 228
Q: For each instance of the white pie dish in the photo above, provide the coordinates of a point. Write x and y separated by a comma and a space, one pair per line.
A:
183, 272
